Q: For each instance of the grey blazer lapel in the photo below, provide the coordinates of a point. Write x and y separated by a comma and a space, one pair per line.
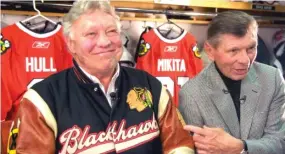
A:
250, 90
223, 101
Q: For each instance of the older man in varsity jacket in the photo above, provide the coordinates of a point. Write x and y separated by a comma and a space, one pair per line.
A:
97, 106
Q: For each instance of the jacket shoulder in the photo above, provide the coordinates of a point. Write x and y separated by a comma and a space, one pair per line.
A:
261, 68
54, 86
266, 74
53, 79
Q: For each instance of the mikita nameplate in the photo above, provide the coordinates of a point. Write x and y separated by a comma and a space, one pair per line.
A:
263, 7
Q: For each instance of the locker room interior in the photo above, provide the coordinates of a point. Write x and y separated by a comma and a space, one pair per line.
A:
132, 29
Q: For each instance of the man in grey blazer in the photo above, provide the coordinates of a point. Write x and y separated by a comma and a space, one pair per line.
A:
235, 105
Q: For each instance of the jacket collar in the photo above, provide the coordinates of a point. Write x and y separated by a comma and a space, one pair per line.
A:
85, 77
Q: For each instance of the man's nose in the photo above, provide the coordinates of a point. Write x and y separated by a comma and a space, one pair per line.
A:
103, 40
243, 57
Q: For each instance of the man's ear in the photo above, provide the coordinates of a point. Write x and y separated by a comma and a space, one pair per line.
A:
69, 43
209, 50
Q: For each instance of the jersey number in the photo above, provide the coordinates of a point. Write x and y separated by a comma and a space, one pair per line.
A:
169, 83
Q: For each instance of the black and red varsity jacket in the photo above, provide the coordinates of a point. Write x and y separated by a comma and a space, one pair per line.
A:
67, 113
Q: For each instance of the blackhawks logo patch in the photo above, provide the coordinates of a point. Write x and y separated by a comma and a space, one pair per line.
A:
143, 48
4, 45
196, 51
139, 99
13, 134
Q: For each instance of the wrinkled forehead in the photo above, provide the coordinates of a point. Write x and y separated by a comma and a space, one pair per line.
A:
231, 41
93, 20
249, 38
97, 16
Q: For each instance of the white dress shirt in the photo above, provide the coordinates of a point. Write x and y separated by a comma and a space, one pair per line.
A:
111, 87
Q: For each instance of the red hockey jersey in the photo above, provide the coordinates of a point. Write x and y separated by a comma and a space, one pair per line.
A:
172, 61
27, 58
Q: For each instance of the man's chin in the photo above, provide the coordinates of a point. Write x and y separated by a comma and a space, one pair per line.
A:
238, 77
108, 67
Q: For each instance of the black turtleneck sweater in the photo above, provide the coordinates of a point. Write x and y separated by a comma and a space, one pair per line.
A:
234, 89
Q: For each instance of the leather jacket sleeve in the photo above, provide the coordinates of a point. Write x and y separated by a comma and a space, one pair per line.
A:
31, 131
174, 138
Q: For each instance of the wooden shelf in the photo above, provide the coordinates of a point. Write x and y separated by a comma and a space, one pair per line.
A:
206, 6
122, 18
218, 4
31, 13
164, 20
280, 8
196, 22
143, 5
221, 4
143, 1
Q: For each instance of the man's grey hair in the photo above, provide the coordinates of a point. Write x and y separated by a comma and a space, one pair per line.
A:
81, 7
236, 23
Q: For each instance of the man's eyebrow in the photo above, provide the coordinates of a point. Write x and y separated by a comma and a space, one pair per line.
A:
253, 44
233, 48
111, 26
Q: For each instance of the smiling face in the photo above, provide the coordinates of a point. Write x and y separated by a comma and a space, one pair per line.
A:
234, 55
95, 42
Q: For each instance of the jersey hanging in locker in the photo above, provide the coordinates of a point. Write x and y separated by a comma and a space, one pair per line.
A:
26, 58
172, 61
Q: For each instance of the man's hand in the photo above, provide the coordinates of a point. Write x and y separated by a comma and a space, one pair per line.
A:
214, 141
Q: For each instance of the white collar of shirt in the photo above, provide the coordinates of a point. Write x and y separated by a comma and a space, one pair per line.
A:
111, 87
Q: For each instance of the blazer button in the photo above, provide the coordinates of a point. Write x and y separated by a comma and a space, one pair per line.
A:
242, 100
96, 88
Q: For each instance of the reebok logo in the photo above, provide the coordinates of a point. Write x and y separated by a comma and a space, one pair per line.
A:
39, 44
170, 48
